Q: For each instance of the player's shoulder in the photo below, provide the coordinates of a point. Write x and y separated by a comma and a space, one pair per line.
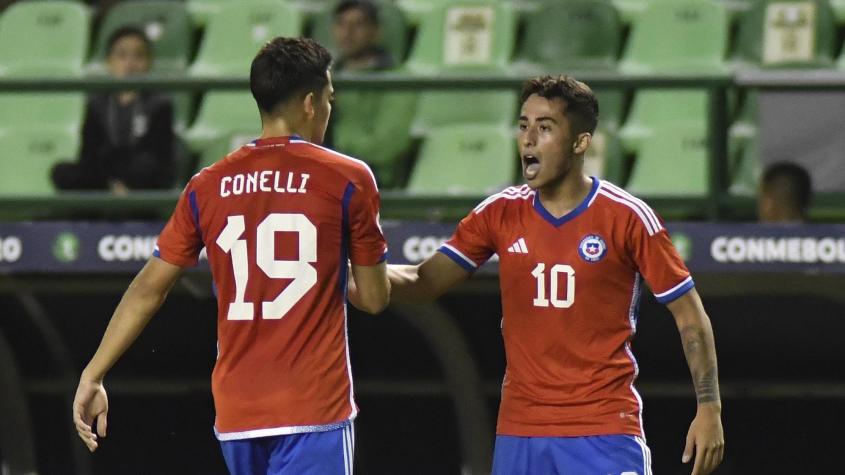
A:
352, 168
510, 196
614, 199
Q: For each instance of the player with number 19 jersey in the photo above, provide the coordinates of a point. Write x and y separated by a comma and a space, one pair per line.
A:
280, 219
570, 291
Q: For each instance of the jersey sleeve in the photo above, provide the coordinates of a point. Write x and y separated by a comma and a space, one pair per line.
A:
367, 245
658, 260
471, 244
180, 242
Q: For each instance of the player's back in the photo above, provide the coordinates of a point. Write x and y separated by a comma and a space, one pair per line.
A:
276, 217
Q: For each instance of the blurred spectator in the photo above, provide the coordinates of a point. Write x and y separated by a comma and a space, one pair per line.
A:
370, 125
127, 138
785, 193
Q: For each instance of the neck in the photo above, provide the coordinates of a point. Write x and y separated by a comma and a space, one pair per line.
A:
566, 195
281, 127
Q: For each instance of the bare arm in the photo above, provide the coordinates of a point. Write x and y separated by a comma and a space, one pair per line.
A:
142, 299
369, 289
426, 281
705, 433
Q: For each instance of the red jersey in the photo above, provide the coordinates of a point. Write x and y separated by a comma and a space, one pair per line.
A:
280, 218
570, 290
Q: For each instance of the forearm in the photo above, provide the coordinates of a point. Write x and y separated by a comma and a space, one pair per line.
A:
135, 310
700, 351
406, 285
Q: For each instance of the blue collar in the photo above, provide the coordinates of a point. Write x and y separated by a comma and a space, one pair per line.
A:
556, 222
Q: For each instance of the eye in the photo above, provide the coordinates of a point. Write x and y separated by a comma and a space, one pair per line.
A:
545, 128
522, 126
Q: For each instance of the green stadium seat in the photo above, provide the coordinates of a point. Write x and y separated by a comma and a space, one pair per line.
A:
611, 107
838, 7
201, 11
46, 38
629, 10
676, 164
51, 110
394, 29
445, 108
655, 109
780, 34
223, 113
745, 174
222, 146
678, 36
465, 159
34, 153
571, 34
165, 22
464, 35
236, 33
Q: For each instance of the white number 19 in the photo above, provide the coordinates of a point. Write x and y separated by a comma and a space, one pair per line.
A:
303, 273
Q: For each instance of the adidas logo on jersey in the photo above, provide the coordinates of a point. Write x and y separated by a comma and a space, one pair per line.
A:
519, 247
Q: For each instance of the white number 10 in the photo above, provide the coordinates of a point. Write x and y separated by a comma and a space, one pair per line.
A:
303, 273
539, 273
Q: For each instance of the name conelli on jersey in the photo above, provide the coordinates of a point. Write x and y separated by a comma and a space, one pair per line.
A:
266, 181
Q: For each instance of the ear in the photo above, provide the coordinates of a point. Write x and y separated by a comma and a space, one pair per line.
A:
582, 143
309, 106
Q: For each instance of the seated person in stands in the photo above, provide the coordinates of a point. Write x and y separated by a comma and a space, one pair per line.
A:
127, 137
370, 125
785, 193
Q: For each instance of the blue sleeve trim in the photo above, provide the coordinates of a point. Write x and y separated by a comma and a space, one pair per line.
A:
157, 253
458, 259
677, 293
384, 257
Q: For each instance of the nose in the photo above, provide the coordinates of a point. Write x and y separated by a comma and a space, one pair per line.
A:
529, 137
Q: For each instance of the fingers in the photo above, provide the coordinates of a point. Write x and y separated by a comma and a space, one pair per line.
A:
84, 431
687, 456
102, 423
698, 467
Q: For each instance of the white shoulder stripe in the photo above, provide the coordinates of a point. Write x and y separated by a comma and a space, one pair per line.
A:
461, 255
646, 208
347, 157
523, 195
635, 208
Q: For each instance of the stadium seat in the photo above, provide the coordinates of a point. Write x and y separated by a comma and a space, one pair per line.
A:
165, 22
674, 164
465, 159
611, 107
678, 36
201, 11
464, 35
445, 108
775, 33
571, 34
51, 110
629, 10
222, 146
838, 7
394, 29
223, 113
654, 109
236, 33
31, 154
47, 38
745, 174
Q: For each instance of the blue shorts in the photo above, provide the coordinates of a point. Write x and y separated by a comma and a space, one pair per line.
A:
311, 453
593, 455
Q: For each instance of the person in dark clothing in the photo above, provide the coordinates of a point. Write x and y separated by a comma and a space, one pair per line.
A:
127, 137
785, 194
357, 32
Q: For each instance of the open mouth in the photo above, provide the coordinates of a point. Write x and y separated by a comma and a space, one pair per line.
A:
530, 166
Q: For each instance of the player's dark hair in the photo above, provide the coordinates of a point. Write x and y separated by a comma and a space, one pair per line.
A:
127, 31
287, 68
582, 107
790, 181
369, 9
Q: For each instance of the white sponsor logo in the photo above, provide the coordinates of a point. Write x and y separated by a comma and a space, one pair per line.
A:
126, 248
801, 250
419, 248
10, 249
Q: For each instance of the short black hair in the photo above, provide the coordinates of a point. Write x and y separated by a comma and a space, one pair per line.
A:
125, 31
369, 9
285, 68
791, 181
582, 107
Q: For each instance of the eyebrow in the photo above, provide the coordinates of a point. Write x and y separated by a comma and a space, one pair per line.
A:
539, 119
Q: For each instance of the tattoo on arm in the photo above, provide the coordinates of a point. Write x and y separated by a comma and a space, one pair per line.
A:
701, 357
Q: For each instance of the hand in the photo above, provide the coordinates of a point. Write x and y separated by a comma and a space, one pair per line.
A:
90, 402
118, 188
707, 438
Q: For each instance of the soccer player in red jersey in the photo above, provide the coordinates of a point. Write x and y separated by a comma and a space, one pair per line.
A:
281, 218
574, 253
